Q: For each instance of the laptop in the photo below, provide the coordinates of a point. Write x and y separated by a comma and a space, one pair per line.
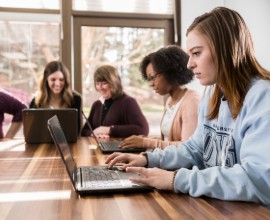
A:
92, 179
108, 147
35, 128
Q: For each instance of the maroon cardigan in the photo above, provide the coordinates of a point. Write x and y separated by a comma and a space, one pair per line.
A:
124, 115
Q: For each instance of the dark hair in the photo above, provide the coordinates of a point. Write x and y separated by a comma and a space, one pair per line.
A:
171, 62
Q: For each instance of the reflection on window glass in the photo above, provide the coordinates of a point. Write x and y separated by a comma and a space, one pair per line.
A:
38, 4
25, 48
124, 48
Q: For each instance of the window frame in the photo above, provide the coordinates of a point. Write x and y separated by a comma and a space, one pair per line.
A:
114, 20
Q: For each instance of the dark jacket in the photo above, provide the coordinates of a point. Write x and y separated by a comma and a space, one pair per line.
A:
124, 116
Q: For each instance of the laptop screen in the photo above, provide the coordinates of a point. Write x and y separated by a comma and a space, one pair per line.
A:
35, 124
63, 147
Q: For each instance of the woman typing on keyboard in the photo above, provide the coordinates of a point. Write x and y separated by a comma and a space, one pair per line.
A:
227, 157
166, 72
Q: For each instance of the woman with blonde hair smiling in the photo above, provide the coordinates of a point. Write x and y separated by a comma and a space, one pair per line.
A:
115, 113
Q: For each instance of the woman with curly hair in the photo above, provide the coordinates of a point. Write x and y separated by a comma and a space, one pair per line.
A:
167, 73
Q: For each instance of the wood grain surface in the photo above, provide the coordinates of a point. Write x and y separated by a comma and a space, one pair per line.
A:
34, 185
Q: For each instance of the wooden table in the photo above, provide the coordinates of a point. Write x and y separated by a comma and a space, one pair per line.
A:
34, 185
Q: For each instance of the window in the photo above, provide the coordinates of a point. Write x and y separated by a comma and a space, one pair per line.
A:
37, 4
26, 46
122, 43
124, 48
33, 33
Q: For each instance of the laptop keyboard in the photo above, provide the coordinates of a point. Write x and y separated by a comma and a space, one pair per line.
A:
100, 177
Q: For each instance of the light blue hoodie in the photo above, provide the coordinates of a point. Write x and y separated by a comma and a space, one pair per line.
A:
246, 175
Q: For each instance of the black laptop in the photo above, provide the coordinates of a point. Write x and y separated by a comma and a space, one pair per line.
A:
35, 128
92, 179
108, 147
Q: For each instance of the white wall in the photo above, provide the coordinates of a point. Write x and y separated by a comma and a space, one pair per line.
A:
255, 13
257, 17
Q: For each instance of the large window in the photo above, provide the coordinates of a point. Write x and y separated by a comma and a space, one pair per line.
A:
123, 48
123, 44
26, 46
35, 32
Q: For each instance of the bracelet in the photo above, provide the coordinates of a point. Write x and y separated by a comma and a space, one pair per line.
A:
174, 174
145, 155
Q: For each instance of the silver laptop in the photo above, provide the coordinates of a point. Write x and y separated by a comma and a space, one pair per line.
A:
35, 128
108, 147
91, 179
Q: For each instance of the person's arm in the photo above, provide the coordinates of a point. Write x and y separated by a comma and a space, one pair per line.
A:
13, 129
187, 117
128, 159
12, 106
188, 121
248, 178
183, 154
139, 141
